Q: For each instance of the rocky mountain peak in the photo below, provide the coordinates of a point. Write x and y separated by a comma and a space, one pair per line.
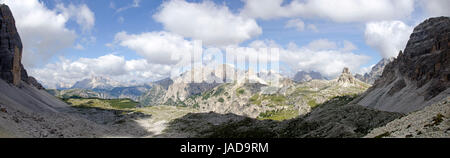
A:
346, 77
346, 71
11, 68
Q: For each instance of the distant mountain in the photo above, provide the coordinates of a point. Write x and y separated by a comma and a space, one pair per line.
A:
303, 76
254, 98
96, 82
165, 83
203, 79
376, 71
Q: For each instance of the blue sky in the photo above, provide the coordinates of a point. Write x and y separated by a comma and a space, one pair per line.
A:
140, 19
64, 43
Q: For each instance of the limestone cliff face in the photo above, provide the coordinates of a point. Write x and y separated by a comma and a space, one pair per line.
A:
11, 68
419, 76
346, 77
10, 48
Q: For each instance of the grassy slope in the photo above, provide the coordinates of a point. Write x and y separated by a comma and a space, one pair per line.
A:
102, 103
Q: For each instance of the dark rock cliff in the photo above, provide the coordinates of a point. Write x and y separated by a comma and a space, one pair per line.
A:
11, 68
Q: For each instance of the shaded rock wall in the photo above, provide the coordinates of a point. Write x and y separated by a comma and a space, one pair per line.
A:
11, 68
10, 48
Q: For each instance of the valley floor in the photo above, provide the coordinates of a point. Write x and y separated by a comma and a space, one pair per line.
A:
49, 117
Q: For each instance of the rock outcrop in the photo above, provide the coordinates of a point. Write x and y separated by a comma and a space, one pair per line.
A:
376, 72
419, 76
346, 77
11, 68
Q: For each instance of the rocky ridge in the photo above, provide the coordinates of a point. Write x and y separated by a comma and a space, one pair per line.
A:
255, 99
419, 76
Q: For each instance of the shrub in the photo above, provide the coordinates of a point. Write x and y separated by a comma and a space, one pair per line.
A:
240, 91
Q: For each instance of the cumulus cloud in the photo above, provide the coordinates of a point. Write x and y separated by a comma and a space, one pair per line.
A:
339, 11
364, 70
329, 62
66, 72
82, 14
135, 4
157, 47
297, 24
387, 37
348, 46
436, 7
321, 55
313, 27
213, 24
43, 31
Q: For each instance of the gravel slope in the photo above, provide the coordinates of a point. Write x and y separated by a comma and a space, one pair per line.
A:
431, 122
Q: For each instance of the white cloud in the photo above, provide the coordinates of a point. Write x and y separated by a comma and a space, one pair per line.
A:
436, 7
348, 46
365, 70
79, 46
297, 24
135, 4
67, 72
328, 62
82, 14
339, 11
321, 55
43, 31
121, 20
213, 24
313, 27
387, 37
157, 47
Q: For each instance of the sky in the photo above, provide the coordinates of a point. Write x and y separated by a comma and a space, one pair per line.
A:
146, 40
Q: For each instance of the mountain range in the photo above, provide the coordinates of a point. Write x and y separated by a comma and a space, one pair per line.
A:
409, 99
